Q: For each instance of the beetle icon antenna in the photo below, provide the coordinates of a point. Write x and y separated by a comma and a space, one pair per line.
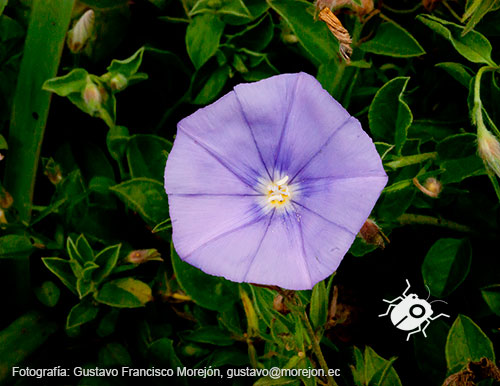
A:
428, 291
438, 300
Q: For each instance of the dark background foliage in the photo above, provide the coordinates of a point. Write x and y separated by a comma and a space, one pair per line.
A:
88, 274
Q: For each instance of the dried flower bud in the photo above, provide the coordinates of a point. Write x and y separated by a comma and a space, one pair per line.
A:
279, 304
338, 30
287, 34
143, 255
364, 9
52, 170
429, 5
432, 187
3, 219
81, 32
118, 82
92, 96
489, 149
6, 199
371, 233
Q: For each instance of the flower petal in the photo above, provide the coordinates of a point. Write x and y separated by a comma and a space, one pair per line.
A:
221, 130
280, 259
324, 244
200, 219
349, 152
230, 254
266, 105
314, 117
193, 170
345, 202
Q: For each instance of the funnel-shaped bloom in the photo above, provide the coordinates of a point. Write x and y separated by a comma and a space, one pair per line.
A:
271, 183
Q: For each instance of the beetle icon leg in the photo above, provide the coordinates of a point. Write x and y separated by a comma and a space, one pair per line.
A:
407, 288
392, 301
388, 310
418, 329
438, 316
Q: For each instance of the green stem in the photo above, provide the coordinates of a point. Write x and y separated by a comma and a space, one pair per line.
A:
317, 349
494, 182
402, 11
407, 219
49, 21
455, 15
42, 53
411, 160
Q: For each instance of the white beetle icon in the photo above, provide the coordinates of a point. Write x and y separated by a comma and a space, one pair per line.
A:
411, 313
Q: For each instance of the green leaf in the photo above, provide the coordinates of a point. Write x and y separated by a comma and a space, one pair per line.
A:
462, 74
48, 293
446, 266
389, 115
210, 335
62, 269
233, 8
15, 246
73, 82
81, 313
213, 85
473, 46
104, 3
255, 37
84, 249
457, 170
147, 155
372, 369
203, 37
21, 338
457, 146
429, 351
476, 11
491, 296
3, 143
124, 293
73, 252
116, 140
313, 35
114, 354
144, 196
162, 354
108, 323
3, 3
466, 342
393, 40
212, 292
106, 260
319, 305
127, 67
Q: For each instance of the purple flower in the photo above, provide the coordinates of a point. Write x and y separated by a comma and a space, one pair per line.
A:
271, 183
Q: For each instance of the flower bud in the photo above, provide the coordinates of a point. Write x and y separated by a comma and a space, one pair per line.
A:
279, 304
371, 234
118, 82
52, 170
432, 187
489, 149
3, 219
6, 199
143, 255
92, 97
365, 8
81, 32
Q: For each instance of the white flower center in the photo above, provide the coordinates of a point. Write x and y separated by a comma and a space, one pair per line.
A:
278, 192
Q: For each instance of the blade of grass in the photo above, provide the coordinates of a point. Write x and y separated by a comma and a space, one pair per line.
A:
49, 21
